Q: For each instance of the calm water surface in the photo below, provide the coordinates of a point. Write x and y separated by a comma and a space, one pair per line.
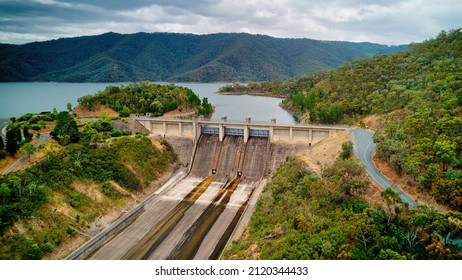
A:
17, 99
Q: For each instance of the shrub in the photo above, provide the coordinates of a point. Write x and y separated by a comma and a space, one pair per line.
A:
116, 133
126, 132
25, 117
35, 127
71, 231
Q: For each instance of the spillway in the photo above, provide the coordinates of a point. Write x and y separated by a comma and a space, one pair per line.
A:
195, 218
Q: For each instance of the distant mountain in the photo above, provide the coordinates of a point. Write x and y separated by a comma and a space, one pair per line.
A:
113, 57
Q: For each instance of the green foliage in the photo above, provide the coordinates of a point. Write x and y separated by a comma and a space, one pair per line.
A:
71, 231
13, 137
421, 86
65, 130
114, 57
19, 197
129, 162
28, 149
25, 117
26, 134
206, 109
33, 251
2, 144
142, 98
347, 150
100, 126
299, 216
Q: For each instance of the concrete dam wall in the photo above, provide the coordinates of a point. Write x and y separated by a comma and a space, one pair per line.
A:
194, 218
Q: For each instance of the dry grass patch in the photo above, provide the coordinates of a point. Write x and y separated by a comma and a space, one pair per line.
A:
96, 111
325, 152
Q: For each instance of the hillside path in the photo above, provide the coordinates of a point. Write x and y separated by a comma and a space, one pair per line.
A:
44, 137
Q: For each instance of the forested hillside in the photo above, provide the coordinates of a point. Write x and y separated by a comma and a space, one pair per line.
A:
142, 98
300, 216
422, 86
115, 57
83, 175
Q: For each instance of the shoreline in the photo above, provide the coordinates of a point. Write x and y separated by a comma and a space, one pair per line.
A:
265, 94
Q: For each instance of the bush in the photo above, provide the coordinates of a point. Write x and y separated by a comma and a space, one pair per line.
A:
109, 190
34, 120
116, 133
48, 247
347, 150
35, 127
71, 231
65, 130
32, 252
3, 154
126, 132
25, 117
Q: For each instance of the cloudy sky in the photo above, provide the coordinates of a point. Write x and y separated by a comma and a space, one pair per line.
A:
379, 21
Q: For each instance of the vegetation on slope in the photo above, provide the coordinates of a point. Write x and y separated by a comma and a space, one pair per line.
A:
300, 216
58, 197
94, 170
142, 98
423, 85
115, 57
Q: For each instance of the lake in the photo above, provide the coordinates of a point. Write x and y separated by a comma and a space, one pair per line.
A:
17, 99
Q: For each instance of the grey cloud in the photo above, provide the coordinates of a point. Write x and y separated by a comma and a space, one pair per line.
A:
382, 21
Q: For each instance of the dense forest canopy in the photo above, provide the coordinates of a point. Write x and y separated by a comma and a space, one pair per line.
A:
301, 216
142, 98
113, 57
422, 85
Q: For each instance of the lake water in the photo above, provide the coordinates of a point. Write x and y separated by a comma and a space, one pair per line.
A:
17, 99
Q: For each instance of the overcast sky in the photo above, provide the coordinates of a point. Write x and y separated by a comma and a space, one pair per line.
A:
379, 21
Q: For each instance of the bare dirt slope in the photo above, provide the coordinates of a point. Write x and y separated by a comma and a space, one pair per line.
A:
325, 152
97, 111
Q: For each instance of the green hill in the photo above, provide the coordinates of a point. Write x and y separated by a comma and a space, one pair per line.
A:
115, 57
300, 216
421, 86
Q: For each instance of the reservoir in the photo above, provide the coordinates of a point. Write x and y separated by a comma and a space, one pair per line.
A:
20, 98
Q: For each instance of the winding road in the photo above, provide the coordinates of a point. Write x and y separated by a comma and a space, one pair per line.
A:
44, 137
364, 147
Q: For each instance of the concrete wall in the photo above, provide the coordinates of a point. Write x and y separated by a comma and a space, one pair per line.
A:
277, 133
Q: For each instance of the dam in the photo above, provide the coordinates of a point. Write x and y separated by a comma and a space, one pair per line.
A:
277, 133
195, 217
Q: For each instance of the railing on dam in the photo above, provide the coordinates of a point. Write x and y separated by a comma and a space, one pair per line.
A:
234, 131
259, 132
210, 130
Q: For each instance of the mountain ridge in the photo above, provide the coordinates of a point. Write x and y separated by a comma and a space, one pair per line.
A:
113, 57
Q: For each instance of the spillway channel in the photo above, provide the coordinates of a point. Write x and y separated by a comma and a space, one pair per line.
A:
195, 218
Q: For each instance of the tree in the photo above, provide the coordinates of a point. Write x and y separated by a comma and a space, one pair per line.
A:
393, 202
26, 134
90, 135
65, 130
12, 141
446, 151
207, 108
28, 149
2, 145
347, 150
125, 112
69, 106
